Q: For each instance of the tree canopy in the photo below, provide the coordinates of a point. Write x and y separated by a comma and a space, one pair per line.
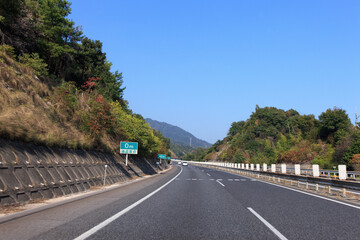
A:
41, 30
273, 135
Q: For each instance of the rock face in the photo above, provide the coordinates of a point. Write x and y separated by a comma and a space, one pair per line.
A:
29, 172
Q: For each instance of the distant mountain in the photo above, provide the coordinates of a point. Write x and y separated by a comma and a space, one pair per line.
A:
177, 135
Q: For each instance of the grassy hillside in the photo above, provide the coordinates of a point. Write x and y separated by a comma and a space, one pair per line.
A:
33, 110
57, 87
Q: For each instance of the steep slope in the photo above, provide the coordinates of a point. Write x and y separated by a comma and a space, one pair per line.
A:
65, 116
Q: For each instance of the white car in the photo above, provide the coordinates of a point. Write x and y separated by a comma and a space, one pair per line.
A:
185, 163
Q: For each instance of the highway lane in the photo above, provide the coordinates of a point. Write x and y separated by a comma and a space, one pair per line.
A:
72, 218
296, 215
191, 207
199, 203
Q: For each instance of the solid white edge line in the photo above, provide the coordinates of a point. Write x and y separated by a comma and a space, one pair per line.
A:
220, 183
295, 190
274, 230
119, 214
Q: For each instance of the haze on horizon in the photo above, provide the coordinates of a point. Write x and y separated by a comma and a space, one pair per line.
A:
201, 65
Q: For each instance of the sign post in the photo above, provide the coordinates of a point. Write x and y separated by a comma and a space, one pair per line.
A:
128, 148
105, 175
161, 156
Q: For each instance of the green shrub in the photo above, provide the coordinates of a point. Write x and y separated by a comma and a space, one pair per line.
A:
35, 62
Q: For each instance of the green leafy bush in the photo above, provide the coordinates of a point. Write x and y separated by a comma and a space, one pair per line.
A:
35, 62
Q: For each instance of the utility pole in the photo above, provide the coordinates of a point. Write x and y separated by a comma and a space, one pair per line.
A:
356, 116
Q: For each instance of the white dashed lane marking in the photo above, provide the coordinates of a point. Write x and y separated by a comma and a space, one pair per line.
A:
212, 179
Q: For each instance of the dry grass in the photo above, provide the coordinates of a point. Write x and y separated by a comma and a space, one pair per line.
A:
28, 114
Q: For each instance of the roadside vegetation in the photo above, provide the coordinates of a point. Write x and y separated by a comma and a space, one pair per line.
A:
273, 135
57, 87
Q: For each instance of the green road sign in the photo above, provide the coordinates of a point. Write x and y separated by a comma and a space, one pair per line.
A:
128, 147
162, 156
168, 158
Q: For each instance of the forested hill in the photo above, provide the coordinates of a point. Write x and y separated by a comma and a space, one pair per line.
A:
273, 135
57, 87
177, 135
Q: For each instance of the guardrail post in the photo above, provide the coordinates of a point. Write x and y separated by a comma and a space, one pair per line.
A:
273, 167
342, 172
307, 185
344, 192
265, 167
317, 187
329, 189
247, 166
297, 169
283, 168
257, 167
316, 172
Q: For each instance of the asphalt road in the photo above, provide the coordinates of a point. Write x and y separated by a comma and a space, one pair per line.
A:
195, 203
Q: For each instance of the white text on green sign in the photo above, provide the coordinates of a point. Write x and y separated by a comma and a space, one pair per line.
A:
128, 147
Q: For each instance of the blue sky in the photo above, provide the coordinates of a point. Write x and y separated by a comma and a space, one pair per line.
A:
202, 65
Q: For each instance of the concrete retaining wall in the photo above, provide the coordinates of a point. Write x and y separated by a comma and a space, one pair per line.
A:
29, 172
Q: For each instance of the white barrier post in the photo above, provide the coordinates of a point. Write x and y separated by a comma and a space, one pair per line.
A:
283, 168
265, 167
316, 172
297, 169
342, 172
251, 166
247, 166
273, 167
242, 166
257, 167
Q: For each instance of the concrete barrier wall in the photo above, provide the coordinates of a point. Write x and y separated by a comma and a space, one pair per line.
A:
29, 172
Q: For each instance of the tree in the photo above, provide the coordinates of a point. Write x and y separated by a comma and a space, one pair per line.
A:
60, 37
235, 128
334, 125
17, 27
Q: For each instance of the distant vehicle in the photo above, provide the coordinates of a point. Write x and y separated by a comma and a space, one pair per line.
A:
180, 162
185, 163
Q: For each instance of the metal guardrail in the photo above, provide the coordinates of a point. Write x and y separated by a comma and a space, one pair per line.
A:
332, 174
306, 175
307, 182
